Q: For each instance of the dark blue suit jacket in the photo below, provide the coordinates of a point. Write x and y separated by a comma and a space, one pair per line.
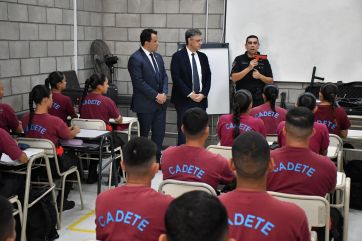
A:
181, 73
146, 84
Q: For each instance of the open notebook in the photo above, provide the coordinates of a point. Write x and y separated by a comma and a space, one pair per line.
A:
6, 160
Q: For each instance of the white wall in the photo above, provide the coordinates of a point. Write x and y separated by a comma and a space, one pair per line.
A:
297, 35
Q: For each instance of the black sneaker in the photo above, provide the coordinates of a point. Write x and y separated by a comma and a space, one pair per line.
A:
67, 205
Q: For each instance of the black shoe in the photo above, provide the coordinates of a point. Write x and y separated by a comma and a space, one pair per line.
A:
67, 205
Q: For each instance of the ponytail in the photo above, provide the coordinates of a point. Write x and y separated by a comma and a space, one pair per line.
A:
329, 93
31, 113
36, 95
271, 93
236, 119
242, 101
53, 79
85, 92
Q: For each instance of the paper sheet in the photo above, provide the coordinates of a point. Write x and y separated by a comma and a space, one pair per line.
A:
6, 160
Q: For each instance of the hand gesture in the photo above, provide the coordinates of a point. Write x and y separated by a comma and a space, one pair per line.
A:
161, 98
256, 74
199, 97
253, 63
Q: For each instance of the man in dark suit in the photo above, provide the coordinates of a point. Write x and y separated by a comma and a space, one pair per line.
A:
191, 78
150, 87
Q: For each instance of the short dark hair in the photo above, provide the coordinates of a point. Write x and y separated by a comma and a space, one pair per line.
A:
139, 153
190, 33
196, 216
194, 121
307, 100
146, 35
251, 36
299, 122
251, 155
7, 221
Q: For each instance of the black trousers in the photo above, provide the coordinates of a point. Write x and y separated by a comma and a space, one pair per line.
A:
156, 122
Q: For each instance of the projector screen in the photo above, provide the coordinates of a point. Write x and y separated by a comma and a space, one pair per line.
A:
297, 35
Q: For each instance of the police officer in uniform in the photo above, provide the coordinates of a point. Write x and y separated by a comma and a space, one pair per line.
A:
250, 73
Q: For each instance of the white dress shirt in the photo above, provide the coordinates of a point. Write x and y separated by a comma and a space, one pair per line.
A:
198, 65
150, 59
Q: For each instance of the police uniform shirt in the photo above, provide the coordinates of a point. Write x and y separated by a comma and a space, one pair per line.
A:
257, 216
301, 171
225, 127
240, 63
131, 213
195, 164
46, 126
9, 146
318, 142
270, 118
8, 119
335, 120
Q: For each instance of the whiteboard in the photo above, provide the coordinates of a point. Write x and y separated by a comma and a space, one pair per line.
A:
219, 95
297, 35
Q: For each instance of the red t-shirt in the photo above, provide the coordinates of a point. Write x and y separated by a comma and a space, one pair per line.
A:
46, 126
195, 164
301, 171
62, 107
270, 118
258, 216
8, 119
225, 127
97, 106
318, 142
131, 213
334, 122
9, 146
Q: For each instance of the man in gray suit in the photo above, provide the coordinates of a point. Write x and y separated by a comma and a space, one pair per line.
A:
150, 87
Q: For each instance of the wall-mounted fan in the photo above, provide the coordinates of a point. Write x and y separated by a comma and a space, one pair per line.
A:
102, 59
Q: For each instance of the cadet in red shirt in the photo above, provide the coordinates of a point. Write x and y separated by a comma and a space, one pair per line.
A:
297, 169
95, 105
9, 146
226, 126
196, 216
191, 161
253, 213
270, 114
40, 124
133, 211
62, 105
8, 119
319, 141
331, 115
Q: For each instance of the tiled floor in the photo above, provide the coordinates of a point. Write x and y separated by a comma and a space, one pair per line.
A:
78, 225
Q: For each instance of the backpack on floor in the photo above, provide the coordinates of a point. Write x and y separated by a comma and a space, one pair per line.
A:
336, 231
42, 219
353, 170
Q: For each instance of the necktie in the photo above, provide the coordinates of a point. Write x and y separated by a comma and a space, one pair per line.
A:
158, 75
195, 75
154, 63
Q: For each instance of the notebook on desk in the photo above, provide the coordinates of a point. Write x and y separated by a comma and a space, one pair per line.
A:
6, 160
